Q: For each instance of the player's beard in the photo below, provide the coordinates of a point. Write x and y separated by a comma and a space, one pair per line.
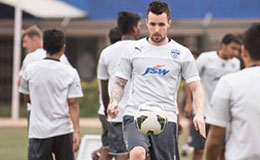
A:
157, 38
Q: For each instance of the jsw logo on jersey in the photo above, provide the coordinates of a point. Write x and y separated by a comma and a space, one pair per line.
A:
156, 70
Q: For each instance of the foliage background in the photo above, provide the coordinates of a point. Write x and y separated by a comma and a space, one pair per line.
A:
89, 104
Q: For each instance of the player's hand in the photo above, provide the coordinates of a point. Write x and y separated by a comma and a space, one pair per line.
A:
76, 141
199, 124
112, 109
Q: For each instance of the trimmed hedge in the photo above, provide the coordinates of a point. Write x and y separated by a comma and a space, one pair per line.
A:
89, 104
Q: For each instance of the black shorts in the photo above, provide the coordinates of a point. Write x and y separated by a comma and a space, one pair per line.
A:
163, 146
195, 139
105, 127
42, 149
116, 139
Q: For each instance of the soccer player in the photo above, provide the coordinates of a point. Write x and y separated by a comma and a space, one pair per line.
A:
235, 105
155, 66
129, 24
33, 44
52, 89
211, 66
114, 36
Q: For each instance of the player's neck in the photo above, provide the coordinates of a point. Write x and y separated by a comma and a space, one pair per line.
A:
165, 41
252, 63
127, 37
40, 45
54, 56
221, 55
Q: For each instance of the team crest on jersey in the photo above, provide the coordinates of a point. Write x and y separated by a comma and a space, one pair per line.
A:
175, 53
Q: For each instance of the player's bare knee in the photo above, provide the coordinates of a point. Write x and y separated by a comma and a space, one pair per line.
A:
137, 153
198, 151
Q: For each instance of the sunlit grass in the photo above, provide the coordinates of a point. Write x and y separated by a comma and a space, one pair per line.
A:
14, 142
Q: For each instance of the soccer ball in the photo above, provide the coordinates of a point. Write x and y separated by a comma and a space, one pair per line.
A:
150, 118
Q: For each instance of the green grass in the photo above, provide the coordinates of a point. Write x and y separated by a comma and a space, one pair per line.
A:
14, 142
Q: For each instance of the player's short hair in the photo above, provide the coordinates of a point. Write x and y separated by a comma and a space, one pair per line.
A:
126, 21
251, 41
114, 35
159, 7
53, 41
32, 31
229, 38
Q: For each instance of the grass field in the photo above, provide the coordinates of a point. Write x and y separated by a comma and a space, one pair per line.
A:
14, 142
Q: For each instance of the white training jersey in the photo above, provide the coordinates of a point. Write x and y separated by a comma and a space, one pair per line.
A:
156, 72
107, 67
236, 104
37, 55
211, 67
50, 83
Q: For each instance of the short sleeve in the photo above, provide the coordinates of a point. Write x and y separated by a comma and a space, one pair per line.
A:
124, 69
24, 87
102, 72
189, 69
75, 90
24, 64
220, 113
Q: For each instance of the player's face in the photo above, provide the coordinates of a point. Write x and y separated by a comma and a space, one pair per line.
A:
28, 44
157, 26
231, 50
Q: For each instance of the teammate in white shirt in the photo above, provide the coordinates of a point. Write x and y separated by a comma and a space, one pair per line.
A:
155, 66
33, 44
52, 88
212, 66
129, 24
114, 36
235, 104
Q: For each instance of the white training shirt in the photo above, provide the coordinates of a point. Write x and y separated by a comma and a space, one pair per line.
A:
37, 55
50, 83
211, 67
107, 67
155, 73
236, 104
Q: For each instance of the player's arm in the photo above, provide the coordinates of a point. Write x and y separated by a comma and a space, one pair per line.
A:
26, 98
104, 94
116, 95
198, 99
74, 114
24, 89
19, 80
219, 117
215, 142
188, 101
